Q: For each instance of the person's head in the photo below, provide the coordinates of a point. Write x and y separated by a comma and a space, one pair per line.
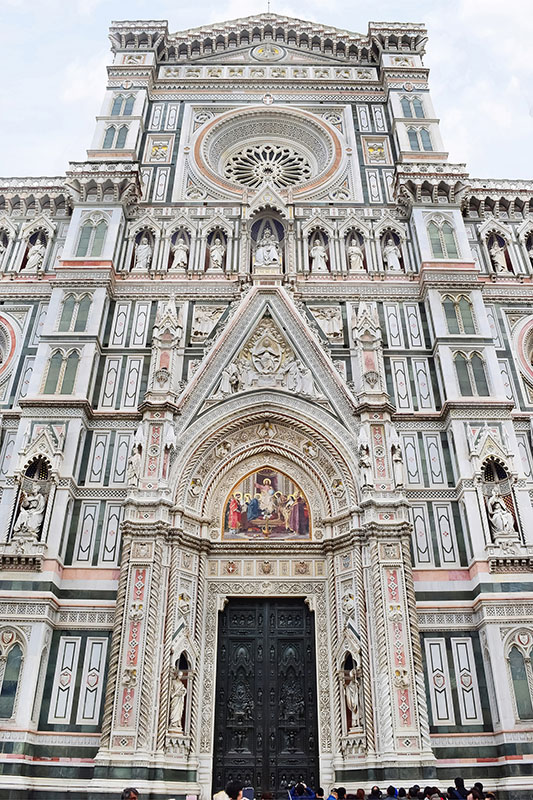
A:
459, 783
451, 792
341, 792
375, 792
391, 791
427, 791
319, 792
299, 789
360, 794
234, 790
402, 792
475, 794
479, 786
129, 793
434, 792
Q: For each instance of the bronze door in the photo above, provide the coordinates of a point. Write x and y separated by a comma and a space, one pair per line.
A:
266, 732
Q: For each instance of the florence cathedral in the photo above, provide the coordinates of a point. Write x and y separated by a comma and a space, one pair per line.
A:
266, 467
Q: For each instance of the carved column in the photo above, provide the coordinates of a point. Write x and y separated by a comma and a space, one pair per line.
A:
132, 696
403, 732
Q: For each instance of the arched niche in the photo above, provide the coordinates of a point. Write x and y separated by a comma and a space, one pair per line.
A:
266, 504
267, 234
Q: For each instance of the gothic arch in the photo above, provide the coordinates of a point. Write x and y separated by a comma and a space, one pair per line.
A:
312, 454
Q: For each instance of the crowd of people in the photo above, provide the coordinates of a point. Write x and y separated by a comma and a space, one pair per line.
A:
300, 791
456, 792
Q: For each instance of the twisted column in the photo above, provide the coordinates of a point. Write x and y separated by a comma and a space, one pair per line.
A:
116, 636
365, 655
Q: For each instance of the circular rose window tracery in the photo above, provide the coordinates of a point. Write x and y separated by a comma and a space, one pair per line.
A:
281, 165
290, 148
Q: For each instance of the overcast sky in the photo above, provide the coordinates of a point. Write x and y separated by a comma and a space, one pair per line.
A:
54, 52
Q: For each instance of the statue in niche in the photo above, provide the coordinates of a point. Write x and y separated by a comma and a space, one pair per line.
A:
352, 690
31, 513
143, 254
217, 252
356, 257
134, 467
497, 256
397, 464
181, 255
365, 465
319, 257
392, 255
500, 518
178, 693
267, 253
35, 256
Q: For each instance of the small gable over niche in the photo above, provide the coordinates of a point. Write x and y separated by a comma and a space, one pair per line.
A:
266, 504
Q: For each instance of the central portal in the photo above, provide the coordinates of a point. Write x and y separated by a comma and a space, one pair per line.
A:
266, 732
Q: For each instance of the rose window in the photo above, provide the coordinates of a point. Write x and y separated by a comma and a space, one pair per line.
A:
283, 166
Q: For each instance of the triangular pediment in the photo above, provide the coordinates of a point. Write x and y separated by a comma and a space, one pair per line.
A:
271, 38
267, 347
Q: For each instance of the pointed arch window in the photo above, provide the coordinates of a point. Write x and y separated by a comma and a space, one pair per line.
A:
442, 240
62, 372
109, 138
122, 106
419, 139
91, 239
412, 107
418, 108
115, 138
406, 107
519, 653
75, 313
10, 680
459, 315
471, 375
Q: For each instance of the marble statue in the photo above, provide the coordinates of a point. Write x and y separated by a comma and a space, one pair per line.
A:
356, 257
497, 256
392, 255
397, 465
351, 690
181, 255
365, 465
319, 257
31, 513
217, 252
134, 467
178, 693
230, 380
35, 257
143, 254
500, 518
267, 252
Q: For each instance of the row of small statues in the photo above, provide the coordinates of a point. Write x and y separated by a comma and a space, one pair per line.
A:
267, 254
